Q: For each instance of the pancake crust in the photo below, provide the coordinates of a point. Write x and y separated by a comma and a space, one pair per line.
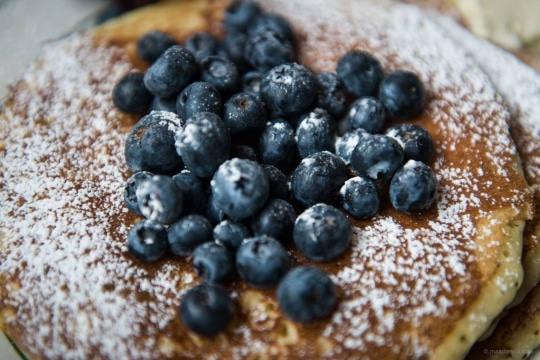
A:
410, 286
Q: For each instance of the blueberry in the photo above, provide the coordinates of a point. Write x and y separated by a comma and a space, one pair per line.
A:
240, 188
232, 47
188, 233
150, 144
402, 94
276, 219
130, 94
251, 82
213, 212
198, 97
244, 114
269, 22
331, 94
231, 234
360, 197
345, 144
315, 133
160, 199
240, 13
377, 157
222, 73
244, 152
206, 309
151, 45
267, 49
204, 143
130, 190
277, 145
366, 113
168, 75
318, 178
201, 44
195, 191
213, 262
288, 89
416, 141
147, 240
261, 261
306, 294
159, 104
360, 72
413, 188
322, 233
279, 184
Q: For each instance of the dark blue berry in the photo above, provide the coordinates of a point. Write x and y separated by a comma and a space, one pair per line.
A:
251, 82
279, 184
213, 212
345, 144
231, 234
261, 261
288, 89
276, 219
277, 24
232, 47
360, 197
130, 190
151, 45
148, 240
198, 97
204, 143
331, 94
377, 157
360, 72
206, 309
416, 141
306, 294
150, 144
240, 13
201, 44
130, 95
277, 145
366, 113
244, 152
322, 233
213, 262
222, 73
160, 199
240, 188
264, 50
195, 190
413, 188
318, 178
402, 94
159, 104
173, 70
188, 233
244, 114
315, 133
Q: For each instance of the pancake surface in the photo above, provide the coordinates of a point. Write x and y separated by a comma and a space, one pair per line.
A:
410, 286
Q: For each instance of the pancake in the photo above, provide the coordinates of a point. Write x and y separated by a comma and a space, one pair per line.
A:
422, 286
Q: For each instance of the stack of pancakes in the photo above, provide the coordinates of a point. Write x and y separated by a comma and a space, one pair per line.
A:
411, 286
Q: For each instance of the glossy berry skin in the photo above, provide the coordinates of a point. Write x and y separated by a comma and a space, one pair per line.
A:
264, 50
366, 113
231, 234
201, 44
198, 97
195, 191
315, 132
269, 22
413, 188
288, 89
130, 190
168, 75
239, 14
204, 143
206, 309
277, 145
240, 188
188, 233
213, 212
306, 294
345, 144
360, 72
377, 157
213, 262
318, 178
244, 114
261, 261
130, 95
360, 197
147, 240
402, 94
331, 94
251, 82
279, 184
151, 45
150, 144
322, 233
276, 219
416, 141
222, 73
160, 199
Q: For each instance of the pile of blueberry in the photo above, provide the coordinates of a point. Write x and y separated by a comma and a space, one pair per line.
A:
240, 139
